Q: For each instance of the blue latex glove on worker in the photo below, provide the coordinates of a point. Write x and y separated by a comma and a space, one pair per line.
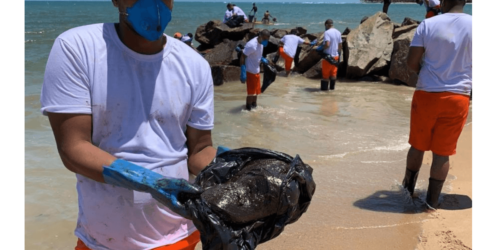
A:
313, 42
243, 74
167, 191
264, 61
222, 149
319, 48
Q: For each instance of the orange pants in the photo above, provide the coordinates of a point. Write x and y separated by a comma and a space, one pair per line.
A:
188, 243
288, 59
328, 69
253, 84
431, 13
437, 120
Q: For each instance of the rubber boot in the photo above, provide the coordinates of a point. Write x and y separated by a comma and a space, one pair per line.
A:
433, 192
410, 180
332, 84
324, 85
254, 105
248, 107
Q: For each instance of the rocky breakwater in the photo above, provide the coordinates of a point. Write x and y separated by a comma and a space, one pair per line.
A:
376, 49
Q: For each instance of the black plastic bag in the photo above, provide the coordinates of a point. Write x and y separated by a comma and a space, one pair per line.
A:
235, 21
269, 76
249, 196
297, 55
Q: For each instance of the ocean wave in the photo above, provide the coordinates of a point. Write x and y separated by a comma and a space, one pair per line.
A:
29, 41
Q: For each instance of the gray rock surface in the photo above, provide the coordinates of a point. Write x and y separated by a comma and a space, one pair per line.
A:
399, 70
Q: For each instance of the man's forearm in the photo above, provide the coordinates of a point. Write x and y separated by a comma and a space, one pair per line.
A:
85, 159
200, 160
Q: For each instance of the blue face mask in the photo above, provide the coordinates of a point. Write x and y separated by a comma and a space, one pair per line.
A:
264, 43
149, 18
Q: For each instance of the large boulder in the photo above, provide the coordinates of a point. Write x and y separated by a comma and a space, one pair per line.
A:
301, 31
369, 46
272, 46
214, 32
314, 72
251, 34
409, 21
399, 69
308, 56
222, 54
225, 73
280, 33
403, 30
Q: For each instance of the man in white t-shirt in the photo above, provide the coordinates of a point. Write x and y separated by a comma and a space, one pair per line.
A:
132, 112
250, 66
441, 101
432, 7
332, 47
288, 48
234, 11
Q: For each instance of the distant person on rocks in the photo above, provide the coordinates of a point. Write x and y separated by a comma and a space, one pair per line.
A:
441, 54
234, 12
386, 6
251, 17
433, 7
288, 47
188, 39
332, 46
250, 66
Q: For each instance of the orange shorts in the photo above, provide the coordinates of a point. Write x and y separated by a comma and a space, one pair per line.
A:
328, 69
188, 243
253, 84
288, 59
431, 13
437, 119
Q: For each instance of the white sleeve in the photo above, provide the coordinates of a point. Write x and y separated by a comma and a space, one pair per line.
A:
249, 49
65, 86
327, 37
202, 114
418, 38
301, 41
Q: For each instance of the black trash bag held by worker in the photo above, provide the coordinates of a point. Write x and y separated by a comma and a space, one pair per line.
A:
249, 196
269, 76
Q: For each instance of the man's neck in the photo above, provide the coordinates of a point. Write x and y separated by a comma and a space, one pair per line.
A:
138, 43
456, 9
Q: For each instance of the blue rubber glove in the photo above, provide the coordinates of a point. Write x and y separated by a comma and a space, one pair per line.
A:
264, 61
313, 42
319, 48
243, 74
222, 149
167, 191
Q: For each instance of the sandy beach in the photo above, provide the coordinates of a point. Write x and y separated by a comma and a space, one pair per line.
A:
452, 229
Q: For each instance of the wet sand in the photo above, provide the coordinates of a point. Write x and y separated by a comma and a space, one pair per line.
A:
452, 229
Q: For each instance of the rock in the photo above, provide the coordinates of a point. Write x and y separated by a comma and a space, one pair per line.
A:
409, 21
311, 37
363, 19
214, 32
308, 56
251, 34
224, 73
222, 54
272, 46
301, 31
399, 70
314, 72
346, 31
369, 46
280, 33
396, 25
402, 30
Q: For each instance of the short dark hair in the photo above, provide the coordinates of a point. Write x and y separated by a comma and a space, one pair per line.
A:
293, 31
264, 32
329, 21
229, 5
190, 35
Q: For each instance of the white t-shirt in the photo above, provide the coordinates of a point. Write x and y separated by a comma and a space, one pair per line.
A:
291, 42
447, 61
334, 37
237, 10
227, 16
432, 3
140, 107
253, 50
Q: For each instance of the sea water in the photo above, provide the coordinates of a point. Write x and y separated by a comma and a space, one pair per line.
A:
355, 138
